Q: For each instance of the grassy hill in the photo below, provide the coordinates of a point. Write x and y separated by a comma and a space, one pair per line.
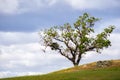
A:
92, 71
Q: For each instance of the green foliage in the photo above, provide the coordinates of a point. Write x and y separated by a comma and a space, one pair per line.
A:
102, 40
54, 46
77, 39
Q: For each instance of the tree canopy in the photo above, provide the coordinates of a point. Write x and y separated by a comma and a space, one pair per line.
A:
71, 41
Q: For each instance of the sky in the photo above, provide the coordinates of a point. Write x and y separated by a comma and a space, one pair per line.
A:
21, 52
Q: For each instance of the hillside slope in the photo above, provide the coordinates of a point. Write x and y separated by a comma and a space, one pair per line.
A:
101, 70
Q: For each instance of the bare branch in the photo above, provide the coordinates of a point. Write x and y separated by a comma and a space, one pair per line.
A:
64, 54
58, 39
90, 48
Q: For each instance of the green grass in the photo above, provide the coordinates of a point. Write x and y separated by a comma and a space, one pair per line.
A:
79, 73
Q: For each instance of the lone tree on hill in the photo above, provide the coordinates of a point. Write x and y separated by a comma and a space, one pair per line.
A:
73, 41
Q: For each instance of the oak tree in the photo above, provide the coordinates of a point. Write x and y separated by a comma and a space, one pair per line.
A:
72, 41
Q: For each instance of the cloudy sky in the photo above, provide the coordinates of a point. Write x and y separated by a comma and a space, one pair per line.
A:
21, 20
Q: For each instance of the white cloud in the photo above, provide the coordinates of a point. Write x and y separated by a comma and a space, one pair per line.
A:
4, 74
93, 4
19, 51
10, 74
9, 38
27, 55
26, 58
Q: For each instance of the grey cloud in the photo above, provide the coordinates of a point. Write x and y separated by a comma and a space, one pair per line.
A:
23, 6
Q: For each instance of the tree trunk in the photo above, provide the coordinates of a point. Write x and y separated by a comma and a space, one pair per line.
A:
76, 62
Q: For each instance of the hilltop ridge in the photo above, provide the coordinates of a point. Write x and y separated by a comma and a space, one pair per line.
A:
100, 70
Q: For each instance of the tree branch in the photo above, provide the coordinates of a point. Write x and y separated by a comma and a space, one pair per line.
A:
80, 34
58, 39
64, 54
90, 48
71, 50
